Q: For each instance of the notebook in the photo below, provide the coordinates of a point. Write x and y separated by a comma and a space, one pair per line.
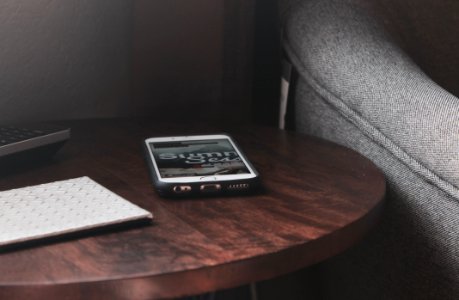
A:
62, 207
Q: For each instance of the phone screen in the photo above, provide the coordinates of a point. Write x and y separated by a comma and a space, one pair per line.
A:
197, 158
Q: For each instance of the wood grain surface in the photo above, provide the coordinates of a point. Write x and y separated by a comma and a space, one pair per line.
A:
318, 199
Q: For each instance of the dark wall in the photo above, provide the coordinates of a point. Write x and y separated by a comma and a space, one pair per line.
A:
64, 59
267, 57
177, 58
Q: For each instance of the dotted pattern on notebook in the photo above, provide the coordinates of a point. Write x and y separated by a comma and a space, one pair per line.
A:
61, 207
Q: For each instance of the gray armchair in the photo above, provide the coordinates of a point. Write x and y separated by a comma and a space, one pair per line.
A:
356, 86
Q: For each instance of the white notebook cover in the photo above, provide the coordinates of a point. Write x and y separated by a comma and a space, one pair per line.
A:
61, 207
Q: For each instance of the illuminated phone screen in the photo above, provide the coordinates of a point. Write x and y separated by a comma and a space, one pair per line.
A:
197, 158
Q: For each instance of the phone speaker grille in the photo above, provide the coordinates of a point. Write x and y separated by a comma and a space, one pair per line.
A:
238, 186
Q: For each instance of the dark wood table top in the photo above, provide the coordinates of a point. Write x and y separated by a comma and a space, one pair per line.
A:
319, 199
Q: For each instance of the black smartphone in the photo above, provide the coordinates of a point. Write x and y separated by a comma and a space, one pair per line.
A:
199, 165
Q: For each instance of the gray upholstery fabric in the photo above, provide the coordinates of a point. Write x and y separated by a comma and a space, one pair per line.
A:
359, 89
414, 252
349, 60
426, 30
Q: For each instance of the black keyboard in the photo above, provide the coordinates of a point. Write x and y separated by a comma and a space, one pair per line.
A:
31, 139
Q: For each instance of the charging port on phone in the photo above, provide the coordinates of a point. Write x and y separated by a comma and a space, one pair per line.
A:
180, 189
209, 188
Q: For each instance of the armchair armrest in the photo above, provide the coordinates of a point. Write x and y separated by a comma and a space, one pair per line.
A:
342, 52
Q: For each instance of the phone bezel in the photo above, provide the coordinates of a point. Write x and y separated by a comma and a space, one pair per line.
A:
194, 179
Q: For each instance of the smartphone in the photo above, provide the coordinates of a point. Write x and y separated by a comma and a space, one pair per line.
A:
199, 165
